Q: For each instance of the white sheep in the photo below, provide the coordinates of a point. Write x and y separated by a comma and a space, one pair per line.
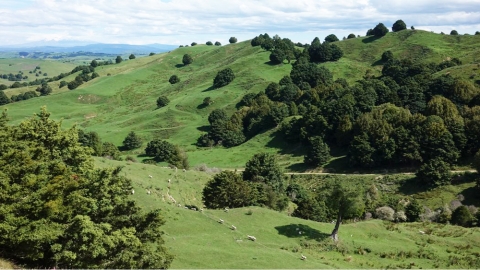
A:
221, 221
226, 209
201, 209
233, 227
303, 257
421, 232
193, 208
148, 192
250, 237
133, 191
300, 232
184, 170
186, 207
169, 180
179, 205
150, 176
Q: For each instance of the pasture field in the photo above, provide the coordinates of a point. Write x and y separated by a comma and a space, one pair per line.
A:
51, 67
198, 240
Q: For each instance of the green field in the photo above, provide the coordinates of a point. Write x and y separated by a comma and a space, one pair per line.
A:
123, 98
51, 67
198, 240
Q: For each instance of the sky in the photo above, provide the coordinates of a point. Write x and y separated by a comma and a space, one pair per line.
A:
181, 22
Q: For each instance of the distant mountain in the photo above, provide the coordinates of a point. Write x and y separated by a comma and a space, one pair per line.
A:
93, 48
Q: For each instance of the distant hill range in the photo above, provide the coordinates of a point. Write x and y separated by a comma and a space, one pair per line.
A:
99, 48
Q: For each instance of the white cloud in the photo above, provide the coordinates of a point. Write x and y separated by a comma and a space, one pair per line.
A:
184, 21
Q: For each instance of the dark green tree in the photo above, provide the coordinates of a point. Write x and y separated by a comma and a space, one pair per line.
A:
162, 101
413, 211
454, 33
223, 78
118, 60
217, 43
193, 44
263, 168
131, 57
387, 56
369, 32
94, 63
207, 101
110, 150
71, 215
209, 43
351, 36
174, 79
132, 141
3, 98
187, 59
433, 173
318, 152
331, 38
45, 89
310, 209
228, 189
232, 40
361, 152
311, 74
162, 150
399, 26
380, 30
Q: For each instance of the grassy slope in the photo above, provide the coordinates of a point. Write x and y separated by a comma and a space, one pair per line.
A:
51, 67
199, 241
125, 101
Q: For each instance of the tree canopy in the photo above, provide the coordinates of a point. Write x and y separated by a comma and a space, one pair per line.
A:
380, 30
58, 211
232, 40
132, 141
223, 78
187, 59
399, 25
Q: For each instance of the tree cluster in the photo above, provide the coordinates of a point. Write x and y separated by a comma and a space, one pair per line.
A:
163, 151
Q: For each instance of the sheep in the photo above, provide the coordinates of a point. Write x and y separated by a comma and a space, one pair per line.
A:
303, 257
201, 209
193, 208
133, 191
233, 227
300, 232
250, 237
226, 209
148, 192
221, 221
179, 205
186, 207
421, 232
296, 229
184, 170
169, 180
150, 176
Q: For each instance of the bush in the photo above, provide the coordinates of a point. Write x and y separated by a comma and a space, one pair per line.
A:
351, 36
399, 26
209, 43
384, 213
454, 33
380, 30
187, 59
118, 60
217, 43
318, 152
132, 141
193, 44
223, 78
162, 101
413, 211
174, 79
400, 216
228, 189
232, 40
131, 57
462, 217
434, 172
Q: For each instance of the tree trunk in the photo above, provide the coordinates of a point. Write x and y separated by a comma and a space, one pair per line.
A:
334, 234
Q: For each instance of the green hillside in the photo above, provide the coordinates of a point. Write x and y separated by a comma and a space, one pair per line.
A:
51, 67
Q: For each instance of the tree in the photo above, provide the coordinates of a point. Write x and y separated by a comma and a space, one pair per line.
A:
476, 162
217, 43
209, 43
411, 27
310, 209
193, 44
162, 150
434, 172
228, 189
351, 36
71, 215
162, 101
318, 152
399, 26
223, 78
380, 30
346, 201
187, 59
3, 98
207, 101
387, 56
132, 141
369, 32
232, 40
94, 63
174, 79
110, 150
413, 211
331, 38
45, 89
118, 60
454, 33
312, 74
263, 168
131, 57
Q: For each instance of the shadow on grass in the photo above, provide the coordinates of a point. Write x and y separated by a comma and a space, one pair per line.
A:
179, 65
370, 39
270, 63
204, 128
209, 89
298, 167
471, 196
202, 106
307, 232
378, 63
285, 148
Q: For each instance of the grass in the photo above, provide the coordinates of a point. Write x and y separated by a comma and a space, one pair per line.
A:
51, 67
123, 98
198, 241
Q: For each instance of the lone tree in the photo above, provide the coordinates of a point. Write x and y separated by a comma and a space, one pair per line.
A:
232, 40
209, 43
3, 98
132, 141
119, 59
162, 101
174, 79
351, 36
346, 201
223, 78
59, 211
193, 44
131, 57
380, 30
217, 43
331, 38
454, 33
187, 59
318, 152
399, 26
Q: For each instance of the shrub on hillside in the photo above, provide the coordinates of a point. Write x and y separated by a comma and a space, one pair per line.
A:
380, 30
228, 189
454, 33
223, 78
131, 57
399, 26
187, 59
209, 43
217, 43
232, 40
462, 217
413, 211
400, 216
162, 101
194, 44
351, 36
132, 141
384, 213
174, 79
